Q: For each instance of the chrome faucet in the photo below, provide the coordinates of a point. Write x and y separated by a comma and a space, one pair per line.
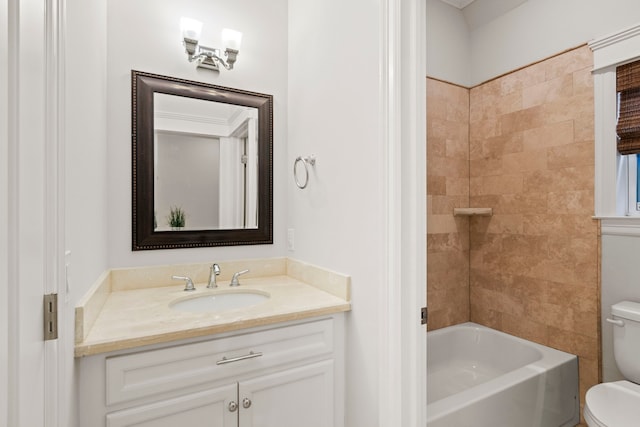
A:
188, 282
215, 271
234, 279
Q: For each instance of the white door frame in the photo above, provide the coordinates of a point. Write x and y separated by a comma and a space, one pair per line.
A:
32, 208
402, 392
56, 377
4, 214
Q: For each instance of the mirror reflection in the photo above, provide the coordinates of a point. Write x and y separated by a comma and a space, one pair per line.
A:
205, 164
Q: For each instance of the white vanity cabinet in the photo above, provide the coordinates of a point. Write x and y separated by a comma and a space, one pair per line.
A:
284, 375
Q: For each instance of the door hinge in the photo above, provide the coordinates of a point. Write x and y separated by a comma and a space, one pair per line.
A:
50, 308
423, 316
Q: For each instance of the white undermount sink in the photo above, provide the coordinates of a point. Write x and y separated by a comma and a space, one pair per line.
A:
219, 301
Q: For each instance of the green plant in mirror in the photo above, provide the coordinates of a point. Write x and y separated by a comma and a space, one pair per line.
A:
177, 217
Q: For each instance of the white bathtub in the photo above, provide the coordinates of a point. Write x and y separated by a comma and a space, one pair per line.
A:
480, 377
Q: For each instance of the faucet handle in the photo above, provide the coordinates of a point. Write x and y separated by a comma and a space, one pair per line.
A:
188, 282
234, 279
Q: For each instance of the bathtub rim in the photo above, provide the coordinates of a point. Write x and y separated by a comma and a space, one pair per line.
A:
550, 354
551, 358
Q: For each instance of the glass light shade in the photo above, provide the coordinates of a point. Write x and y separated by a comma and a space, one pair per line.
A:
231, 39
191, 28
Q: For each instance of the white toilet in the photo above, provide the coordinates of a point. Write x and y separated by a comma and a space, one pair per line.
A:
617, 404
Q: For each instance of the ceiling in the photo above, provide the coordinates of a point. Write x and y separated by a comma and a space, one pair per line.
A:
480, 12
460, 4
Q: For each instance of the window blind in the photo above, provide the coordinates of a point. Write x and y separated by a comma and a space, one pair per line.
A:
628, 127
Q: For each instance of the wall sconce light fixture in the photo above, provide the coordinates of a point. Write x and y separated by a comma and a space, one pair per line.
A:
207, 57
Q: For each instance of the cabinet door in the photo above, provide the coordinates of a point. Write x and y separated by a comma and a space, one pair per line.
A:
292, 398
209, 408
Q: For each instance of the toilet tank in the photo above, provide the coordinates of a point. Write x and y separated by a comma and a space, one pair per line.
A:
626, 338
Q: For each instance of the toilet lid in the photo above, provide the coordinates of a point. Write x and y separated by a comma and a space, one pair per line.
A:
615, 404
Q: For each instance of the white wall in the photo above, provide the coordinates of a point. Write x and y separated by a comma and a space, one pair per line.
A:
334, 107
448, 44
4, 215
86, 213
145, 35
192, 163
533, 31
540, 28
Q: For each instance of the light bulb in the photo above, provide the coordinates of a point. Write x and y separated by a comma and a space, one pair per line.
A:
231, 39
191, 28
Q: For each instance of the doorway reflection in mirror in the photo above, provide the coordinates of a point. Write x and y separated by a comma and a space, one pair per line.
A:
206, 161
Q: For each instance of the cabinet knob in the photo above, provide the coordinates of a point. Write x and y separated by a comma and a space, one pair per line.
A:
233, 406
246, 403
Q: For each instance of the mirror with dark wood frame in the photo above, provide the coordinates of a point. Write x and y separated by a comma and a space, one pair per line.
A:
202, 164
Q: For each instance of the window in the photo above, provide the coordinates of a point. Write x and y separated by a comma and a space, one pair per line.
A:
628, 184
616, 175
628, 133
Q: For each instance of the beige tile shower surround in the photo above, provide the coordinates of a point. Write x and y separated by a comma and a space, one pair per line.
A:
533, 267
447, 188
129, 308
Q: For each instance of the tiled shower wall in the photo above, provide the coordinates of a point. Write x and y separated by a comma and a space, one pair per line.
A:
533, 265
447, 187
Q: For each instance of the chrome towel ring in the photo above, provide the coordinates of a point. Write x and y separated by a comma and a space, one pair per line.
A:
310, 160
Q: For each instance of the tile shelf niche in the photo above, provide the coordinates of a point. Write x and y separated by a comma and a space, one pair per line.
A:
472, 211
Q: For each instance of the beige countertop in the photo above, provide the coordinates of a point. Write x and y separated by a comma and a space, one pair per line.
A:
132, 318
